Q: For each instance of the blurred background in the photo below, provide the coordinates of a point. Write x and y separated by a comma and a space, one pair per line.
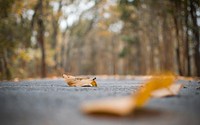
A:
45, 38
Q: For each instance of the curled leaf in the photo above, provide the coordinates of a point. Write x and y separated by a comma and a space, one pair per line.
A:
155, 83
170, 91
126, 105
79, 81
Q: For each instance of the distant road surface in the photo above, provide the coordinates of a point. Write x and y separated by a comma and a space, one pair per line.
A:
52, 102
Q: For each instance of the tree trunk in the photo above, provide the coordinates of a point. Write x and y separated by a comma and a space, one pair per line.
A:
196, 36
55, 25
41, 29
187, 41
178, 41
5, 70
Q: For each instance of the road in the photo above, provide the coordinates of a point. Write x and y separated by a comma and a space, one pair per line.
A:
52, 102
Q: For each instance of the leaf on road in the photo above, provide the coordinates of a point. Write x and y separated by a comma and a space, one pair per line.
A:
126, 105
114, 106
170, 91
79, 81
155, 83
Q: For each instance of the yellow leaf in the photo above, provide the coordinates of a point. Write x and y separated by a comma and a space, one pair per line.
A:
79, 81
155, 83
126, 105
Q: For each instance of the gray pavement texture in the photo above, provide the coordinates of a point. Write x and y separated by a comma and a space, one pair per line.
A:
52, 102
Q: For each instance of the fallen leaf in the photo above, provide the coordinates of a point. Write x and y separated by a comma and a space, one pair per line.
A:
170, 91
155, 83
126, 105
79, 81
114, 106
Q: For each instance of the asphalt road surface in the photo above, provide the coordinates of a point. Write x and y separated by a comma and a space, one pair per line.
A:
52, 102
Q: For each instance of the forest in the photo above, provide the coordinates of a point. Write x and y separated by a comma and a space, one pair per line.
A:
46, 38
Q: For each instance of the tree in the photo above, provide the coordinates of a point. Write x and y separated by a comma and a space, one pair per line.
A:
38, 18
10, 40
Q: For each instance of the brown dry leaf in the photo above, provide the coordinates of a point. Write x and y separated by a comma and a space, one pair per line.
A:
170, 91
126, 105
79, 81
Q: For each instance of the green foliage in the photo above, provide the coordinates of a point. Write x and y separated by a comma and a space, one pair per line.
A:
124, 52
129, 2
5, 8
15, 33
81, 28
126, 8
130, 40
